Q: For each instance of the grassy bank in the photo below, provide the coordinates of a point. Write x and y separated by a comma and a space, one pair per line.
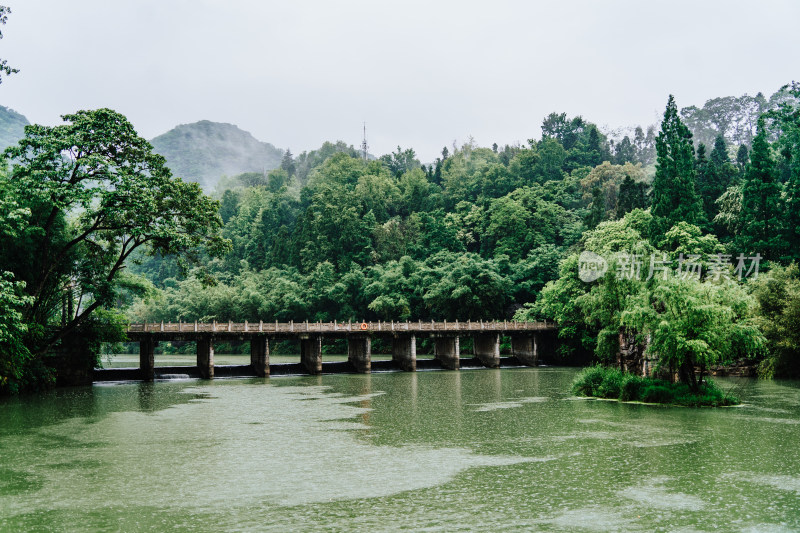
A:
612, 383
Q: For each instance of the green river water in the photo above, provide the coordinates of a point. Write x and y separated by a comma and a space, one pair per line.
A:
486, 450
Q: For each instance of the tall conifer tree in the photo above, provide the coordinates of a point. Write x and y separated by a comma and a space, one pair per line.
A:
761, 196
718, 175
788, 117
674, 195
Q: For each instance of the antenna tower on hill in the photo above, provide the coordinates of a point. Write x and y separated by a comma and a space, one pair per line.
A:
364, 146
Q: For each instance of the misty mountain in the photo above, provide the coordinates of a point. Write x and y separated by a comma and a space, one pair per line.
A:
12, 127
205, 151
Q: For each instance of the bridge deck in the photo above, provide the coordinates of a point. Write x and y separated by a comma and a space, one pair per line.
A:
334, 328
525, 340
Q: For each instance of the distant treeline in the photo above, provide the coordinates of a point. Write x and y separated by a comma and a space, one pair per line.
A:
109, 234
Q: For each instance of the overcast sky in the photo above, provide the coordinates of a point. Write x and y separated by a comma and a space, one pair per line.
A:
421, 74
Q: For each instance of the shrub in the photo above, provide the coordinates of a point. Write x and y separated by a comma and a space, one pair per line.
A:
632, 387
606, 382
658, 392
588, 381
611, 386
710, 394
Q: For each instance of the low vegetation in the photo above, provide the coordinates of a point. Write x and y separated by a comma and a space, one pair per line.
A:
611, 383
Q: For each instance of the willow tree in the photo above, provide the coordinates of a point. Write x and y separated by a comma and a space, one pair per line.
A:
95, 192
692, 325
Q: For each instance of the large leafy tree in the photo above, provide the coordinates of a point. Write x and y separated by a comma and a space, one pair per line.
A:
96, 193
589, 314
674, 196
691, 324
466, 287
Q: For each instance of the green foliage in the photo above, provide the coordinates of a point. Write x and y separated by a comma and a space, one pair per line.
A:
714, 175
778, 297
729, 206
761, 202
229, 206
306, 162
611, 383
287, 163
691, 324
14, 355
625, 151
787, 118
609, 179
401, 161
92, 193
597, 211
687, 323
480, 233
552, 157
632, 388
674, 196
467, 287
684, 239
632, 195
589, 380
742, 157
523, 220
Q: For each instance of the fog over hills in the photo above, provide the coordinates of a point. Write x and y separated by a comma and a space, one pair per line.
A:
205, 151
12, 127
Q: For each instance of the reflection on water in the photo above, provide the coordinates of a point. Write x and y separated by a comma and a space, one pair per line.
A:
132, 360
483, 449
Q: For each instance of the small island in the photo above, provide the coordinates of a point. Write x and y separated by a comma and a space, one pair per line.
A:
614, 384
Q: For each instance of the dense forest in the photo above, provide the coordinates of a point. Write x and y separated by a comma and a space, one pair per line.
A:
109, 236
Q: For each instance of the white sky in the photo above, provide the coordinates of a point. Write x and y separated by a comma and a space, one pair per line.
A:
421, 74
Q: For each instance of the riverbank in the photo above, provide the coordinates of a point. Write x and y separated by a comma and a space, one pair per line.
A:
611, 383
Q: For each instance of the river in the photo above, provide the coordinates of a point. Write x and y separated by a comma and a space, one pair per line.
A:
486, 450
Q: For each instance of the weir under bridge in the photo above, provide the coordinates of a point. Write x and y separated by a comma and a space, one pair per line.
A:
528, 341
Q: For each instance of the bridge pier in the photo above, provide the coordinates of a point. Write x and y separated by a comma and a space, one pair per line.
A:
147, 359
205, 357
311, 354
359, 353
487, 349
259, 355
525, 349
404, 352
446, 352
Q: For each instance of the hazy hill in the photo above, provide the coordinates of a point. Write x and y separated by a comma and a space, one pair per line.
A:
205, 151
12, 126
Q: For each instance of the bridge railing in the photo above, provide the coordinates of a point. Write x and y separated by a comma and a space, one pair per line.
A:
338, 327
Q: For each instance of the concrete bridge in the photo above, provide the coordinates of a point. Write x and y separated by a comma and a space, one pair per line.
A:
526, 338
